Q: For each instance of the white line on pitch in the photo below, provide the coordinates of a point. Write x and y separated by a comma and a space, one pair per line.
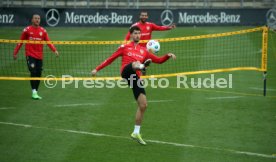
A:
148, 140
261, 89
6, 108
214, 148
153, 101
227, 97
96, 104
78, 104
15, 124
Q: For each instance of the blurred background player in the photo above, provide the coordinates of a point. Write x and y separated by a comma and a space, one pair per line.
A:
133, 55
147, 28
34, 52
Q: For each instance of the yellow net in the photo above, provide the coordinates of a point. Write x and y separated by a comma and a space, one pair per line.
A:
230, 51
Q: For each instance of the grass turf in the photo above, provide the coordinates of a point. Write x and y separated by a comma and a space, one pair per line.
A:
197, 117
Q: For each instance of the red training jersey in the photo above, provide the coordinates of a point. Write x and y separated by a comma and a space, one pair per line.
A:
146, 30
132, 53
34, 50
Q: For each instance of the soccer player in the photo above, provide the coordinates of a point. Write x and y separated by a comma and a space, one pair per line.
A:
147, 28
34, 52
134, 59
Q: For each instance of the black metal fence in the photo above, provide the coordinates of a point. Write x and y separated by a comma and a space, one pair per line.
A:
161, 4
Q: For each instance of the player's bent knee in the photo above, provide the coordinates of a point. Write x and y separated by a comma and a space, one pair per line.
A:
142, 102
143, 105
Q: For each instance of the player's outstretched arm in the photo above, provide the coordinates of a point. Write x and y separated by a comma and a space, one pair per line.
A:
56, 53
162, 59
94, 72
108, 60
161, 28
16, 50
19, 45
171, 55
173, 26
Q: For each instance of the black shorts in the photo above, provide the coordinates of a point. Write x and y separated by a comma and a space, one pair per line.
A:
137, 89
34, 65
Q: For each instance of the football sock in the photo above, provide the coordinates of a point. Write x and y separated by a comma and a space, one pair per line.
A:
141, 66
34, 91
136, 129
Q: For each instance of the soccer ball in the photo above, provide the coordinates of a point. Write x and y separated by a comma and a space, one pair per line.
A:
153, 46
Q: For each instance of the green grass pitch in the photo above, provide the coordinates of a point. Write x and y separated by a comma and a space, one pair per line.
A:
80, 124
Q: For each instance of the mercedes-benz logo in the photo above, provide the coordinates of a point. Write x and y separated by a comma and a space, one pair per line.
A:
271, 18
52, 17
167, 17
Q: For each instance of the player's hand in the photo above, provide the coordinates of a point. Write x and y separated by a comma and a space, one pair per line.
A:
15, 57
94, 72
56, 53
172, 26
171, 55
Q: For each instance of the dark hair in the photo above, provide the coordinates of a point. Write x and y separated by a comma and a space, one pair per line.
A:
35, 14
131, 30
143, 12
